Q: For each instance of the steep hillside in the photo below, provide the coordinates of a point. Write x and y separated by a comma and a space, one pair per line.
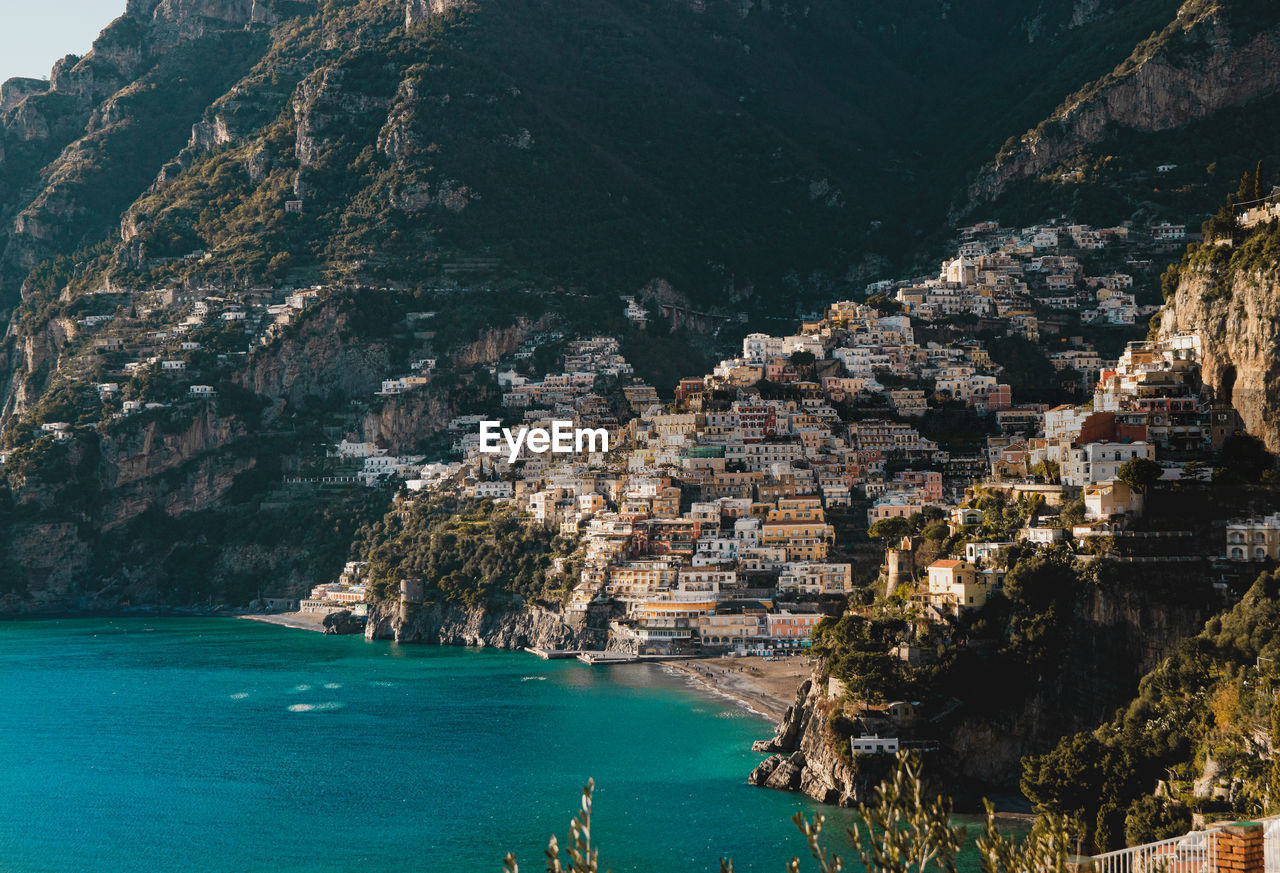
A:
764, 150
1201, 734
77, 150
1230, 295
711, 156
1182, 82
1069, 644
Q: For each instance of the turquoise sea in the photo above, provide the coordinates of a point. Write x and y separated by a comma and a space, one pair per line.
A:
173, 745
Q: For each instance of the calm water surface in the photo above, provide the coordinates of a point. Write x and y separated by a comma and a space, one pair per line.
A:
179, 745
224, 745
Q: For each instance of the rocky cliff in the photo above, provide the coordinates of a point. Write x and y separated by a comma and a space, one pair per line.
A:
514, 626
805, 756
1118, 631
1235, 313
1214, 55
75, 152
318, 357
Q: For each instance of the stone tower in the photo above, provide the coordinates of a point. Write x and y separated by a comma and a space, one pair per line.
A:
412, 592
902, 566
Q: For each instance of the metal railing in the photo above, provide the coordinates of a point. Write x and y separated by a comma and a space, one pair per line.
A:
1271, 844
1192, 853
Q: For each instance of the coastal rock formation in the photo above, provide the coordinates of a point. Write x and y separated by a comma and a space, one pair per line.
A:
805, 757
1119, 631
315, 357
342, 622
515, 627
418, 11
1235, 317
1212, 56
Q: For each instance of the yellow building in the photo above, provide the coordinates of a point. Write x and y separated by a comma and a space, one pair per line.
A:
955, 586
639, 580
734, 630
666, 504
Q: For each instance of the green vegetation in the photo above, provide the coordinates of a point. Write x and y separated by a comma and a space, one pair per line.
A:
1208, 702
1139, 473
471, 552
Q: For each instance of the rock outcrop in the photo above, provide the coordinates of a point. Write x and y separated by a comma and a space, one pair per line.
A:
514, 626
1119, 631
804, 752
1211, 57
419, 11
342, 623
315, 357
1236, 319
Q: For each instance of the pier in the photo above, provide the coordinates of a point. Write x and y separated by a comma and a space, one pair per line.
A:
593, 657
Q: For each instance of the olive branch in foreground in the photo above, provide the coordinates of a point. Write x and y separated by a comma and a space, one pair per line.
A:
901, 831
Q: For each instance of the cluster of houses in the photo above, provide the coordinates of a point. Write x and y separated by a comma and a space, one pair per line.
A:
349, 592
1010, 278
127, 346
708, 518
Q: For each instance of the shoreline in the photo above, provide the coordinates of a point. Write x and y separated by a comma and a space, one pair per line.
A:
310, 621
765, 688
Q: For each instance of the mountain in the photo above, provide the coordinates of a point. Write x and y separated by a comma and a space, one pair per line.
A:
1228, 294
508, 165
1187, 97
736, 149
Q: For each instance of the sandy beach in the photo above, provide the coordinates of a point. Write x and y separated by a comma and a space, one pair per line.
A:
768, 687
312, 621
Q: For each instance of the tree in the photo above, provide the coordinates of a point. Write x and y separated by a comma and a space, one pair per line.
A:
1109, 828
1275, 759
935, 530
1049, 471
1045, 848
905, 831
890, 529
1139, 473
1245, 456
1193, 471
1152, 818
1248, 189
1072, 513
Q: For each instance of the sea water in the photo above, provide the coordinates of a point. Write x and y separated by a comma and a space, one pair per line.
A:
173, 745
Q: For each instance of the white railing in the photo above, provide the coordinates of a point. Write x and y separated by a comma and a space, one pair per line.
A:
1271, 843
1192, 853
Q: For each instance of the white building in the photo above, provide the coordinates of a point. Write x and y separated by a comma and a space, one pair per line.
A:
1254, 539
1098, 462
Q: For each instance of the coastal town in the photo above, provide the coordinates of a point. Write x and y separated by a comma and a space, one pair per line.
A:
734, 517
583, 414
887, 456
